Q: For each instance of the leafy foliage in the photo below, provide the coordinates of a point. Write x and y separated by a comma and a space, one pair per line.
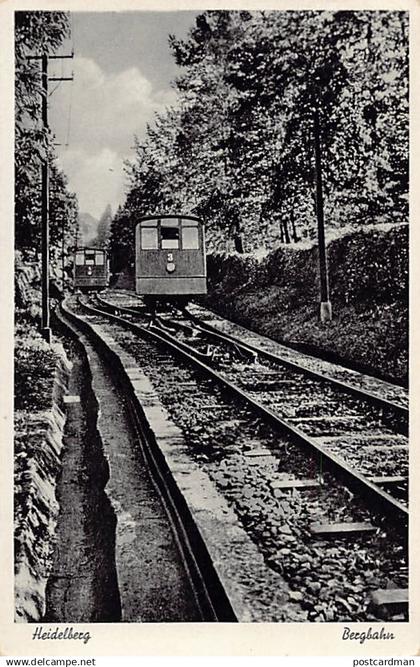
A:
36, 33
278, 296
239, 148
365, 266
104, 229
122, 241
34, 371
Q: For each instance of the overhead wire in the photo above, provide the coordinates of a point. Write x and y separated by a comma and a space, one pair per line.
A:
60, 82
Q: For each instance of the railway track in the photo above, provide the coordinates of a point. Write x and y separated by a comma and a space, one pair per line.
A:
239, 451
361, 436
187, 584
380, 393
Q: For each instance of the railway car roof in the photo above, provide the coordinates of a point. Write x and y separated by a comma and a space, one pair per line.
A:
164, 217
90, 248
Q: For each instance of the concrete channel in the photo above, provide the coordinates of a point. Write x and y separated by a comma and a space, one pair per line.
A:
133, 554
82, 586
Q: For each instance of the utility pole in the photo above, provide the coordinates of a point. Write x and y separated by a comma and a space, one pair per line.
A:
63, 285
325, 303
45, 227
45, 210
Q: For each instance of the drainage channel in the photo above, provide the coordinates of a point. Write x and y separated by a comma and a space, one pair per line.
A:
83, 584
150, 581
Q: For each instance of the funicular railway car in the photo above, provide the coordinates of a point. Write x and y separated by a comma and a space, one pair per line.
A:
90, 268
170, 256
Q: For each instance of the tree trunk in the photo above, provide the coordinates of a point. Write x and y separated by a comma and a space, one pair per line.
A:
236, 231
237, 239
286, 231
293, 222
281, 232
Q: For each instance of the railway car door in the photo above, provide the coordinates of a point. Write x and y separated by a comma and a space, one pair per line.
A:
169, 234
89, 261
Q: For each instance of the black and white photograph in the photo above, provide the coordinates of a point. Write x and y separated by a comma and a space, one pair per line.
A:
211, 273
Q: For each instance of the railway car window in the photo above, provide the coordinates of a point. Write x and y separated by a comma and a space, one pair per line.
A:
80, 258
99, 259
89, 257
190, 238
188, 222
149, 238
169, 234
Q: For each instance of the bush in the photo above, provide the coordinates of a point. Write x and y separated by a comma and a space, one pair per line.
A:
366, 266
279, 297
34, 370
232, 270
370, 267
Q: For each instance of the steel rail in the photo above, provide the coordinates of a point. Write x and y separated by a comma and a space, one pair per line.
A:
401, 410
394, 510
397, 408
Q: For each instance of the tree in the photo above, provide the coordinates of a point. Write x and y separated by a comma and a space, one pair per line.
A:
104, 228
239, 148
121, 241
37, 33
63, 219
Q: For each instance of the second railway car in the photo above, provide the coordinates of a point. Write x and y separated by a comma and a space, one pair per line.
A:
91, 269
170, 256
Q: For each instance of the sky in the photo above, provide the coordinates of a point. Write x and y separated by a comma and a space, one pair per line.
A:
122, 70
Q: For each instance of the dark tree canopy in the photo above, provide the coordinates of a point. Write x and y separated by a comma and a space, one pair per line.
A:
238, 149
37, 33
